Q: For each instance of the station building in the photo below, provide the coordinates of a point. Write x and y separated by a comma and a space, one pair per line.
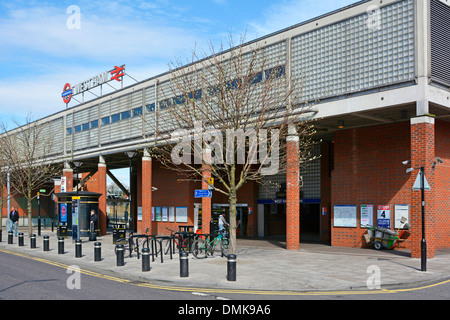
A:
379, 72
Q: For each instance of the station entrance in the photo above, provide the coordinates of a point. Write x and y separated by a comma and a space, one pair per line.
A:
274, 221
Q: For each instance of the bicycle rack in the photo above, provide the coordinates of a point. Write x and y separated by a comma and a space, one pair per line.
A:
154, 248
137, 237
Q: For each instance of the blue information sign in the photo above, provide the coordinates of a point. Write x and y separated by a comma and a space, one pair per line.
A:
203, 193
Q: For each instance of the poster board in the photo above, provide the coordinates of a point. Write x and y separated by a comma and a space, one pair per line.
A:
171, 214
345, 216
158, 214
384, 216
165, 214
366, 215
181, 214
400, 210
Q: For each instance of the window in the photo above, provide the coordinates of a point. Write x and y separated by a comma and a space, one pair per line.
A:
137, 112
77, 128
94, 124
276, 72
105, 121
115, 117
85, 126
151, 107
69, 131
125, 114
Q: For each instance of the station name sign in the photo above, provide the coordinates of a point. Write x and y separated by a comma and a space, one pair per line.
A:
115, 74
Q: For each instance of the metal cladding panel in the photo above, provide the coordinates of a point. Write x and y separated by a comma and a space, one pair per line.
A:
356, 54
149, 107
105, 129
56, 129
136, 121
440, 42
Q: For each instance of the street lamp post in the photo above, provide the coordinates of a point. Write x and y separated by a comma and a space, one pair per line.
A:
77, 165
423, 243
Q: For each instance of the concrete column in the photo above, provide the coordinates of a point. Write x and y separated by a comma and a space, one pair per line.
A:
423, 155
292, 193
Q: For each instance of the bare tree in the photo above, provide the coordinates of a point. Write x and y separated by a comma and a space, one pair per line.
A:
4, 172
28, 150
229, 113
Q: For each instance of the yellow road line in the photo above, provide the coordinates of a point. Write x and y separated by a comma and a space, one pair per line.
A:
225, 291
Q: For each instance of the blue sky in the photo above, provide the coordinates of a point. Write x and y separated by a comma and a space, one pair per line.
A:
39, 53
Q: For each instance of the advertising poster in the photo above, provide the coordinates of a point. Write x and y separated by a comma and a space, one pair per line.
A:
63, 213
384, 216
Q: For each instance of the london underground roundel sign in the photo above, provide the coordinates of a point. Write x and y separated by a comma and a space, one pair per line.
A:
67, 93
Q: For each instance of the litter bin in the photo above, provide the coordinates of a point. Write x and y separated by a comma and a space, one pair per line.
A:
119, 232
62, 230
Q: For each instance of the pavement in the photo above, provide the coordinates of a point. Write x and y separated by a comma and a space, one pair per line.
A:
262, 265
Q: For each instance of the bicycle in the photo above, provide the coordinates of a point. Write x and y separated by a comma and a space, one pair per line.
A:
179, 240
134, 242
202, 247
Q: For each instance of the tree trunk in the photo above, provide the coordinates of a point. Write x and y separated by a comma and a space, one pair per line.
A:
29, 214
232, 202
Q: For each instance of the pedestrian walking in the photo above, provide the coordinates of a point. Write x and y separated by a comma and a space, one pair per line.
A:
14, 217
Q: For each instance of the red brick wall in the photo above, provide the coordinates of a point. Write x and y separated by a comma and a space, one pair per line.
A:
368, 170
442, 184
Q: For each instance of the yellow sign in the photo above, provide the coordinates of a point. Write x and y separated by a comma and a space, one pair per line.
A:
76, 198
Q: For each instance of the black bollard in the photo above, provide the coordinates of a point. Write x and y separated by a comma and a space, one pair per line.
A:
33, 241
184, 264
231, 267
60, 245
145, 259
97, 251
78, 249
120, 255
46, 243
1, 235
21, 239
10, 237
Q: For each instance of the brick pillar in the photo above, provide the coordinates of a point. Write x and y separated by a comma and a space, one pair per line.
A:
292, 194
102, 188
68, 173
423, 155
146, 195
206, 202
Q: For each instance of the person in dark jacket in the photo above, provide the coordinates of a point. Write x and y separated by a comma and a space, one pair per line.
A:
93, 220
14, 217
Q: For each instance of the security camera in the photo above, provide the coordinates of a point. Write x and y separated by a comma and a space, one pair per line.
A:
407, 162
439, 160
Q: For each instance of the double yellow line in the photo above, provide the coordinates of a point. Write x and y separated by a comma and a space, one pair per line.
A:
225, 291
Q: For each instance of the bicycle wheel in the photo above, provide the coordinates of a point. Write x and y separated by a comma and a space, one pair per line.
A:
199, 249
225, 245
